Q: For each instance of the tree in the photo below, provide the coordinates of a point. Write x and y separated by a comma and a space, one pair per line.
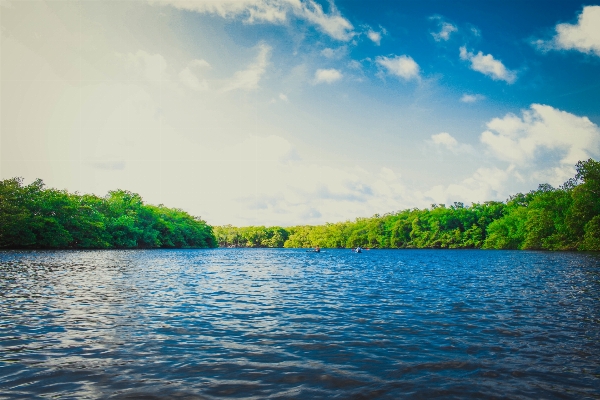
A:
586, 197
35, 217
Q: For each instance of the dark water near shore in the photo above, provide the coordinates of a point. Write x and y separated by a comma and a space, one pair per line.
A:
290, 324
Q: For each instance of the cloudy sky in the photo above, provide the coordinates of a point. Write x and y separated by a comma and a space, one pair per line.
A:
283, 112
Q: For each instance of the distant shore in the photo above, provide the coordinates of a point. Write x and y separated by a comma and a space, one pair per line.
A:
564, 218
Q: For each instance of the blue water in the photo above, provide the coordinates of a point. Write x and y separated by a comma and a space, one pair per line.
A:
235, 323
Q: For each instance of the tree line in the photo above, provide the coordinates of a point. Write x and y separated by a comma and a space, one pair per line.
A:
32, 216
563, 218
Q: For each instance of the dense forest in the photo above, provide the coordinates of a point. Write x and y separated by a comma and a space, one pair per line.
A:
32, 216
564, 218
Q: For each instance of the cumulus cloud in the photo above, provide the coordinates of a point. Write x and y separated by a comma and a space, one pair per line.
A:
401, 66
189, 78
447, 141
584, 36
271, 11
249, 78
327, 75
485, 184
445, 30
542, 130
335, 54
471, 98
488, 65
374, 36
541, 145
333, 24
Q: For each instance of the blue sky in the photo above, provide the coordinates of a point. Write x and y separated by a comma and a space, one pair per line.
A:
284, 112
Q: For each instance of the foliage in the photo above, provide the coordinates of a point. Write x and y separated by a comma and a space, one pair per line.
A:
34, 217
565, 218
252, 236
439, 227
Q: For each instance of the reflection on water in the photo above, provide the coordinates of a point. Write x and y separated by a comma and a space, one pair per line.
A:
290, 324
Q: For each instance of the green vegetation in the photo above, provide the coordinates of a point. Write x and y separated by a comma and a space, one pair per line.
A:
251, 236
565, 218
34, 217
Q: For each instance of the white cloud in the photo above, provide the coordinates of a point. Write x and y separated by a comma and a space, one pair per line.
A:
335, 54
485, 184
583, 36
446, 30
354, 65
333, 24
271, 11
327, 75
521, 140
199, 63
488, 65
445, 139
471, 98
540, 146
283, 97
248, 79
374, 36
401, 66
189, 78
252, 10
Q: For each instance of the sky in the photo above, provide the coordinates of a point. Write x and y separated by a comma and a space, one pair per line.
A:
290, 112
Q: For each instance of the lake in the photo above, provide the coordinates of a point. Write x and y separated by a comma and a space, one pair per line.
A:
285, 323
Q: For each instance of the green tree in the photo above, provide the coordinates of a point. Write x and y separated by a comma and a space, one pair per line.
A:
591, 238
586, 197
35, 217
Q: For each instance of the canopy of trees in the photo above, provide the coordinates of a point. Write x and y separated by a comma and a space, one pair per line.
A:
565, 218
34, 217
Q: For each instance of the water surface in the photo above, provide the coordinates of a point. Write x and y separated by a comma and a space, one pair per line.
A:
290, 324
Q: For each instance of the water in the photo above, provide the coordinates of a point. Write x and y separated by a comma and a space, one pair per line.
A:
289, 324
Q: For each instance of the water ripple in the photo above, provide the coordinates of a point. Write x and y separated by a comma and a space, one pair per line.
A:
260, 324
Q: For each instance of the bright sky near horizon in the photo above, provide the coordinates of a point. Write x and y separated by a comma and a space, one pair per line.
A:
284, 112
